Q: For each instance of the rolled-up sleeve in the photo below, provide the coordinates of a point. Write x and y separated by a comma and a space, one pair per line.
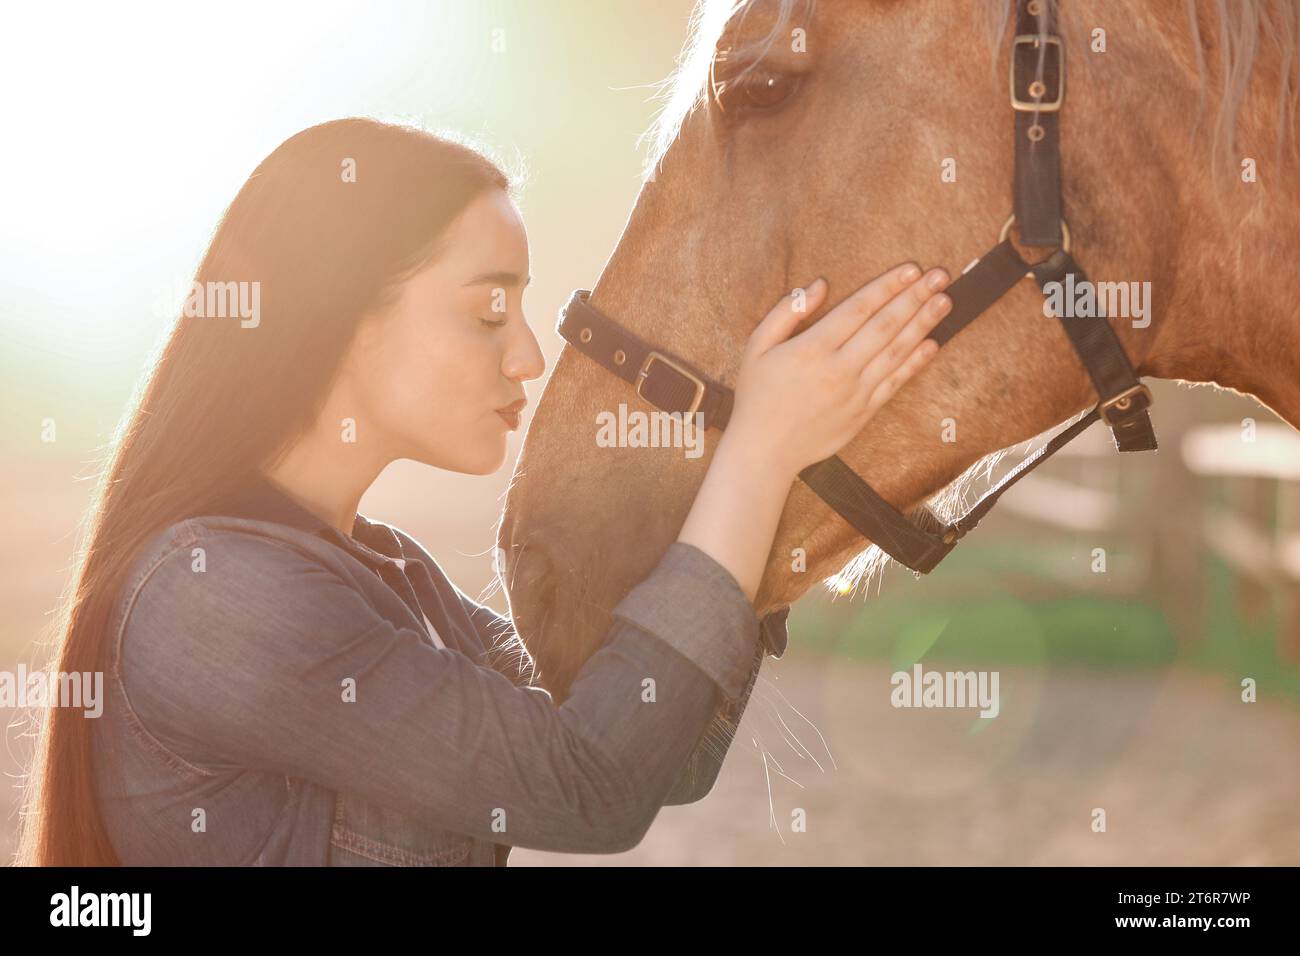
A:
695, 606
700, 772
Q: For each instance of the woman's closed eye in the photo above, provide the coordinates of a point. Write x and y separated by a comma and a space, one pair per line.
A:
493, 324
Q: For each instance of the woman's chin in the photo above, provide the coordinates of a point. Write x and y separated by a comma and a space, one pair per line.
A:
483, 457
491, 467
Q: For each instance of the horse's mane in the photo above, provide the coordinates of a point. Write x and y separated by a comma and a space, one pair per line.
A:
686, 87
1242, 24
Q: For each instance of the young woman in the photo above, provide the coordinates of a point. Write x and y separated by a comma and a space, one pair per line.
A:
290, 682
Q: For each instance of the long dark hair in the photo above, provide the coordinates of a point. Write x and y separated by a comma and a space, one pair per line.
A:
328, 225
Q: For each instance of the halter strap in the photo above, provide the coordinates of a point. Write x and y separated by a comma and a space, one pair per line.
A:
1037, 95
921, 540
666, 381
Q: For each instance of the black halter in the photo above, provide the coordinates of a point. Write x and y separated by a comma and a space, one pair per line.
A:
922, 540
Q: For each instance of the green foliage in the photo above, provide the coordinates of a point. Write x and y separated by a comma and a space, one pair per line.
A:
1000, 606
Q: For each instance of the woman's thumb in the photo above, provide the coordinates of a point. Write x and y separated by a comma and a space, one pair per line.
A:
780, 323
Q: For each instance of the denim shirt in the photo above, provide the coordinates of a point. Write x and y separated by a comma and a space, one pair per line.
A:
279, 693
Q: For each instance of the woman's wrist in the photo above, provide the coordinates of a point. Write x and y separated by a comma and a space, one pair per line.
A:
752, 448
737, 509
753, 467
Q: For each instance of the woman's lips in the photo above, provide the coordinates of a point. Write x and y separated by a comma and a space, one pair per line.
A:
510, 414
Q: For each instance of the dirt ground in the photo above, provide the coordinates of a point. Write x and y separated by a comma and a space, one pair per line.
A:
1185, 772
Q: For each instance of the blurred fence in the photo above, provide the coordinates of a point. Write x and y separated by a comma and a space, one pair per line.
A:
1251, 519
1231, 490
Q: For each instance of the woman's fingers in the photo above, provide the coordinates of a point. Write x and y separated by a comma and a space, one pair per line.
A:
913, 334
889, 336
785, 316
883, 390
848, 317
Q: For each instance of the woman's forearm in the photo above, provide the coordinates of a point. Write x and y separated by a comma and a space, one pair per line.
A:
736, 511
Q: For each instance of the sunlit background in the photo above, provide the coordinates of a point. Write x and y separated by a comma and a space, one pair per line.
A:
130, 128
133, 127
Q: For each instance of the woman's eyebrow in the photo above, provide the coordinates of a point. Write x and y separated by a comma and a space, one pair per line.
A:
498, 278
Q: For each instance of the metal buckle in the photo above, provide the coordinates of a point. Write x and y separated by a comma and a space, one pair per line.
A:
644, 373
1065, 232
1032, 106
1123, 403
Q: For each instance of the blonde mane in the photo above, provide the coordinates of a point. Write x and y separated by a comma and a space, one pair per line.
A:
687, 87
1241, 26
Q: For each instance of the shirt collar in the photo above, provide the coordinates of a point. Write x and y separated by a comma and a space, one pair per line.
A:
263, 500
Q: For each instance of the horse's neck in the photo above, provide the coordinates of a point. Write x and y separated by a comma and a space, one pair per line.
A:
1233, 317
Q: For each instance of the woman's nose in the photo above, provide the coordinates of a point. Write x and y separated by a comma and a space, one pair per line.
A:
525, 360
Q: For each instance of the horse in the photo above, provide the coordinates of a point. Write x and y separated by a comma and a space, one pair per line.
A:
802, 138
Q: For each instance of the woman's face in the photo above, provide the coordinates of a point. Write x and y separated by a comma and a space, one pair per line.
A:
429, 375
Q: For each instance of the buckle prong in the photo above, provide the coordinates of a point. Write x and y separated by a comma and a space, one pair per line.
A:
1037, 106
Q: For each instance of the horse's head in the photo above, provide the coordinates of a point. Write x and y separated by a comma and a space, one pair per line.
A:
838, 139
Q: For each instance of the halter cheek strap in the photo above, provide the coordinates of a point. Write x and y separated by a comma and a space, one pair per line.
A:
921, 540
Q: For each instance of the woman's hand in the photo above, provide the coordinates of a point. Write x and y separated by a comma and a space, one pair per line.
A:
800, 400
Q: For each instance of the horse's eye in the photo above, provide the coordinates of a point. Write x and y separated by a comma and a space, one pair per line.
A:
758, 91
